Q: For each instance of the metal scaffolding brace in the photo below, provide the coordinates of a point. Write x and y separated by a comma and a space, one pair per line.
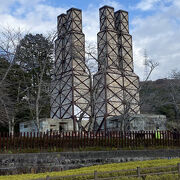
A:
115, 82
71, 94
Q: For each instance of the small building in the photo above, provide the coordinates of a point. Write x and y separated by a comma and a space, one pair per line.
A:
47, 125
148, 122
138, 122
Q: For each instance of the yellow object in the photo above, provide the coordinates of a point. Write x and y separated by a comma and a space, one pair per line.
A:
158, 135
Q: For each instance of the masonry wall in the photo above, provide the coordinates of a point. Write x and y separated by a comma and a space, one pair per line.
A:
42, 162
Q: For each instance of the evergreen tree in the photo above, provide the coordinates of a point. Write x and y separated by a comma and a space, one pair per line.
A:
13, 107
34, 55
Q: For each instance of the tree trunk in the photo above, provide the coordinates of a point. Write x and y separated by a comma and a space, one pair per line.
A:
37, 113
11, 126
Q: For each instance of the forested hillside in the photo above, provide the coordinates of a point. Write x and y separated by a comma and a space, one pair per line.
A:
162, 97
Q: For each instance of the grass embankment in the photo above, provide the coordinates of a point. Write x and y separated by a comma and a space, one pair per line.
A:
109, 167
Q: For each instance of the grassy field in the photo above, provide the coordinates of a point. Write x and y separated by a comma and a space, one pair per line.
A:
108, 167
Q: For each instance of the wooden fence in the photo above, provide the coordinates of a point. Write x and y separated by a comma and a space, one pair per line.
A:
107, 175
77, 140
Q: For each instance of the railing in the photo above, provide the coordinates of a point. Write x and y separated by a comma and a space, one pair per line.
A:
138, 172
77, 140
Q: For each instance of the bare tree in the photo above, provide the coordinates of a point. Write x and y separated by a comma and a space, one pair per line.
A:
91, 61
174, 96
91, 66
127, 117
174, 91
162, 96
9, 39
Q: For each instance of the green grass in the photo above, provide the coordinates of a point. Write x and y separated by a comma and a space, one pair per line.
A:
106, 167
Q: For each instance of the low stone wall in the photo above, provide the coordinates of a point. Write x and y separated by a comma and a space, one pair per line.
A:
42, 162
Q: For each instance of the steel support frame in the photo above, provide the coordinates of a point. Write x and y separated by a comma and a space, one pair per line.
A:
71, 76
131, 80
116, 83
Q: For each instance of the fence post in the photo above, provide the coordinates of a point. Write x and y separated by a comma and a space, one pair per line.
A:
0, 142
95, 175
72, 139
7, 141
26, 143
178, 167
47, 177
138, 171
